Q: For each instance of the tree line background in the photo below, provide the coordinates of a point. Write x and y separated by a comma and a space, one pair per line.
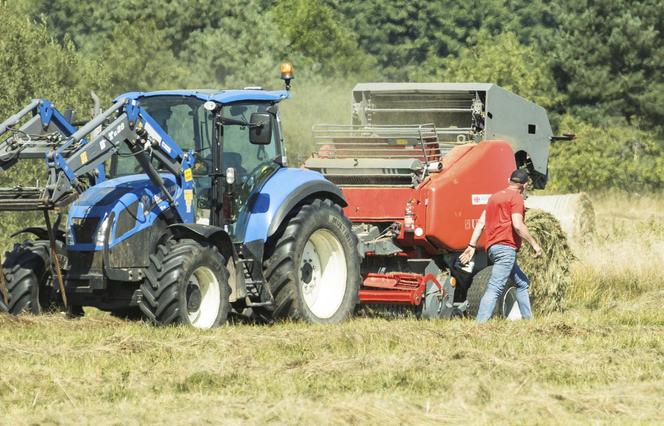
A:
598, 67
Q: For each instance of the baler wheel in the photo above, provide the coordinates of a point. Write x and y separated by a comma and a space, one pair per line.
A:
27, 277
313, 267
187, 283
506, 306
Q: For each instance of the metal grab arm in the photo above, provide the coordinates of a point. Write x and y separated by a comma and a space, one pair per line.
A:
41, 133
132, 126
14, 119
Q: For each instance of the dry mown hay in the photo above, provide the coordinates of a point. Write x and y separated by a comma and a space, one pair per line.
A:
549, 275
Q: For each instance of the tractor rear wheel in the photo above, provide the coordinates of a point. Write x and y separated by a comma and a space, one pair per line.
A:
506, 306
187, 283
312, 265
27, 277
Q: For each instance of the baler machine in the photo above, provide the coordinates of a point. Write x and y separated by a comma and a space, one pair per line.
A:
415, 192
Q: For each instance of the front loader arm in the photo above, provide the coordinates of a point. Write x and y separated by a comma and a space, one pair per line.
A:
130, 125
41, 133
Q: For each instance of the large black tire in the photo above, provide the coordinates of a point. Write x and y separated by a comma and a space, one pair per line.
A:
309, 276
27, 277
187, 283
132, 313
505, 301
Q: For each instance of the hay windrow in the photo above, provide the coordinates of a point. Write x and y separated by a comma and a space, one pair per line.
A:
549, 275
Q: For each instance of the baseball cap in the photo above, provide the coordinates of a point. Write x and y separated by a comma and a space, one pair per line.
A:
519, 176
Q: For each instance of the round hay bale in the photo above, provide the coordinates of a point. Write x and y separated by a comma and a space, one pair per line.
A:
574, 211
584, 224
550, 274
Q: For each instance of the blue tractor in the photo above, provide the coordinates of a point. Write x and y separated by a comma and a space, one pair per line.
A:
198, 216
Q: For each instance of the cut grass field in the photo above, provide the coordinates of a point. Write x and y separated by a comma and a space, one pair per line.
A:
601, 360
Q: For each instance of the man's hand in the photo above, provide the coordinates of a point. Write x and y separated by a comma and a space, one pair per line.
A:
538, 250
522, 230
467, 255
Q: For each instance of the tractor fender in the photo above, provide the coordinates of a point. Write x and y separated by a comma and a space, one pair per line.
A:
285, 189
40, 233
321, 189
205, 233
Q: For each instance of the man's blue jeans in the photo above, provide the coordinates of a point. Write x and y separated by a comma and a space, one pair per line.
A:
503, 258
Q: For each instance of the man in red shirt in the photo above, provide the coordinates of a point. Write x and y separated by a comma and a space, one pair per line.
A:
503, 220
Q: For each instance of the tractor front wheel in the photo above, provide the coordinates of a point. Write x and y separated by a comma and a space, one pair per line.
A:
27, 278
187, 283
312, 265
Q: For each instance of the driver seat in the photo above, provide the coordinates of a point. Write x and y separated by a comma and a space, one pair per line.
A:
234, 160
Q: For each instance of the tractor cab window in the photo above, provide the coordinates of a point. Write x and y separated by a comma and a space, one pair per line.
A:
247, 159
186, 121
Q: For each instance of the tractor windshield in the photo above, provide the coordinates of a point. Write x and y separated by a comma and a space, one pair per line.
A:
185, 120
191, 126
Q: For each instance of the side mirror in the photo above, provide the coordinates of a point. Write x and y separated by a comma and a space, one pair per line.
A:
260, 128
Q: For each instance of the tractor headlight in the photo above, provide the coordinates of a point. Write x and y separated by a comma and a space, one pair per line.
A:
69, 237
101, 232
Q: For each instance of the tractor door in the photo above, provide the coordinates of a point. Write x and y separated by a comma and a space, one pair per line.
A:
251, 164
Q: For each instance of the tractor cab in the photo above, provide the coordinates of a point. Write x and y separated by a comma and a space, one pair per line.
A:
235, 136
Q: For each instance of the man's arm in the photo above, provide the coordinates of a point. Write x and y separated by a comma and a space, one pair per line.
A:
521, 229
470, 250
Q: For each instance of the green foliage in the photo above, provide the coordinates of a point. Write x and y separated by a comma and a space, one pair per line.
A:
505, 61
186, 43
34, 65
609, 59
140, 71
412, 40
615, 156
318, 34
240, 49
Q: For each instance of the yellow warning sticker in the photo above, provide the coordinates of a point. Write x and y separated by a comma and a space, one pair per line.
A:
84, 157
188, 198
401, 141
188, 176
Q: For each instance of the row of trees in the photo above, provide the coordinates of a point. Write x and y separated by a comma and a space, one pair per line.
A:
598, 62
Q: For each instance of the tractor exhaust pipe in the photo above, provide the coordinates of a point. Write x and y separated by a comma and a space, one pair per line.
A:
96, 110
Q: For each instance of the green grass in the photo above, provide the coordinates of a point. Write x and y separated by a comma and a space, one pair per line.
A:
600, 361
